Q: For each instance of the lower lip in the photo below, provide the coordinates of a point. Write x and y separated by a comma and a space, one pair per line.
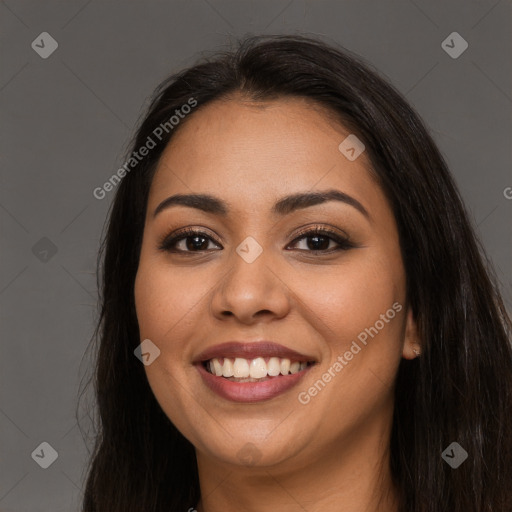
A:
250, 391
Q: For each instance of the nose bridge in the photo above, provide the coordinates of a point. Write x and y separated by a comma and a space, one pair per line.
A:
250, 271
251, 284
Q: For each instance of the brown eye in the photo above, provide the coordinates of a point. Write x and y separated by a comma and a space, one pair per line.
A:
317, 241
320, 240
188, 240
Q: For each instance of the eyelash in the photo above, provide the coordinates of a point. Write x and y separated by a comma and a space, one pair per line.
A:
167, 242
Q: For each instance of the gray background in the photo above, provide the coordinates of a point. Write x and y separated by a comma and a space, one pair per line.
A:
66, 123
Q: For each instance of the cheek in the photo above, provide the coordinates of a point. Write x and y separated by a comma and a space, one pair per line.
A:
359, 312
166, 298
165, 302
345, 300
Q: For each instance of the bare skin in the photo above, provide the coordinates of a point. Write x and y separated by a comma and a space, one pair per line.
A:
331, 453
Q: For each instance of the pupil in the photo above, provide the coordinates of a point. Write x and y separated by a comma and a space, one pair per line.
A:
197, 245
315, 246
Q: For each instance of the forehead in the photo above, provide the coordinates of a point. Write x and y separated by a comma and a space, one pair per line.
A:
250, 153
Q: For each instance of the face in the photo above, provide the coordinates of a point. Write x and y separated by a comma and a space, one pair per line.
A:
323, 278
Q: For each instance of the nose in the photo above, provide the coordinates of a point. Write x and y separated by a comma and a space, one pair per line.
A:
251, 292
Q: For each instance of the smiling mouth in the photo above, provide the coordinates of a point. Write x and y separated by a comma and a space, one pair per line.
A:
258, 369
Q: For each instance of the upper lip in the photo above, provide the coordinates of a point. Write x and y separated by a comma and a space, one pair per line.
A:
251, 350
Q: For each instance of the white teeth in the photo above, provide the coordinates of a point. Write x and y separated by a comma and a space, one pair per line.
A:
217, 367
241, 368
227, 368
274, 366
256, 368
295, 367
285, 366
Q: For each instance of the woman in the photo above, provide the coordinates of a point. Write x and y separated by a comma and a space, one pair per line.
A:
295, 312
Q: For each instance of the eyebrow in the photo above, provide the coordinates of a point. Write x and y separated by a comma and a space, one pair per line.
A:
284, 206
